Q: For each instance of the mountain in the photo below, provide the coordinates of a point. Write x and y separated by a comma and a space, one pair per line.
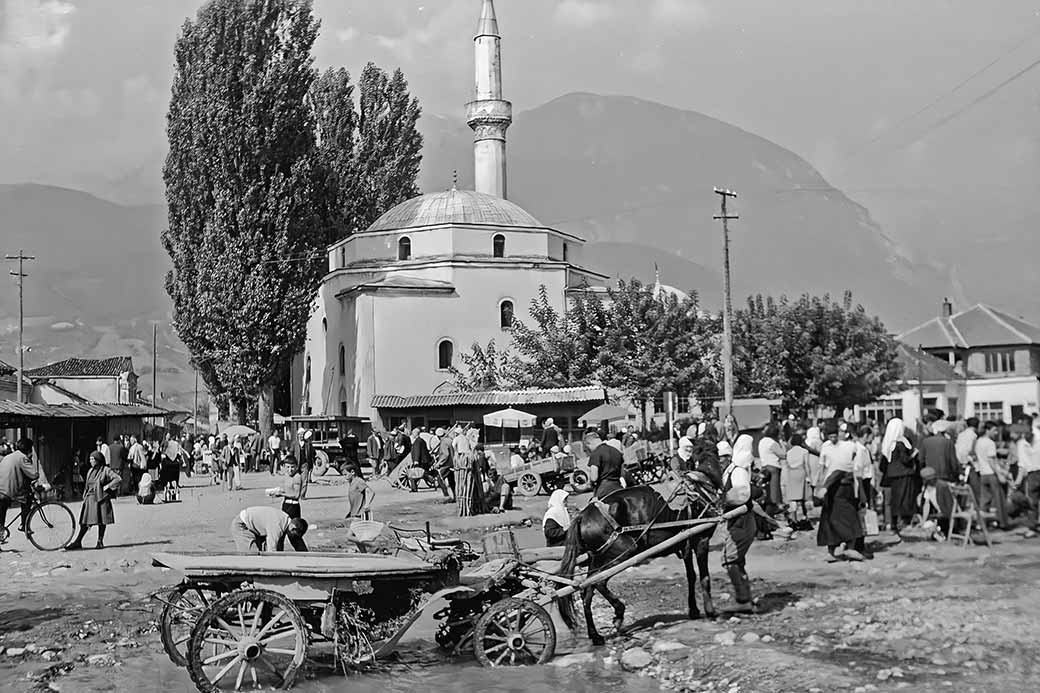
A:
634, 178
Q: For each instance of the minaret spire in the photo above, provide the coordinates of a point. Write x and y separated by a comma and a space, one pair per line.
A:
489, 114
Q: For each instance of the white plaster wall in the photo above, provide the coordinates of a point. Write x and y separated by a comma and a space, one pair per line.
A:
1024, 392
92, 389
480, 241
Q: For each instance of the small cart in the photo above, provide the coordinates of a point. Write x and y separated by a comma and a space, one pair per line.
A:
547, 474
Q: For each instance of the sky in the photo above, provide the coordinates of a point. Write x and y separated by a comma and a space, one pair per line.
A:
847, 84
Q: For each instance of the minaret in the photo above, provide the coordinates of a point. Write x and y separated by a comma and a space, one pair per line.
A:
489, 114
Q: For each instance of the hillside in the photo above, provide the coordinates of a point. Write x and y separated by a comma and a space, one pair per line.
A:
634, 178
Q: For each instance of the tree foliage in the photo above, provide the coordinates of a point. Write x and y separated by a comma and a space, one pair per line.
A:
486, 368
370, 151
244, 188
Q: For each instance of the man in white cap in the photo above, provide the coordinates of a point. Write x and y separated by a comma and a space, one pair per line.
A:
550, 436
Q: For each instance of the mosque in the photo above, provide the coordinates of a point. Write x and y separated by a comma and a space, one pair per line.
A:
434, 275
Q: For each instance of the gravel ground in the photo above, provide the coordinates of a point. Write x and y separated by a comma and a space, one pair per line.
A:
920, 615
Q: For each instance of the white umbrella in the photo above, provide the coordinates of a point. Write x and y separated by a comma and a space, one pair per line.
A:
510, 418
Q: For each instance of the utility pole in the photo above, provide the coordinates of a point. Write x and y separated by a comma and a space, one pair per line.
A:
155, 362
21, 257
195, 407
727, 313
920, 390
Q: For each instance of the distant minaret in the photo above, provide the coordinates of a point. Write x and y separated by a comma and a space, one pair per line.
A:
489, 114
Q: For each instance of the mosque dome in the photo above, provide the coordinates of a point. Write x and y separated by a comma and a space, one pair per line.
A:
454, 207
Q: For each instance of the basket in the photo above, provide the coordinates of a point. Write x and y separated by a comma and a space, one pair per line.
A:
366, 530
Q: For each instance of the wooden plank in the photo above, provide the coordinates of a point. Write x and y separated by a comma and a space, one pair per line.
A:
346, 565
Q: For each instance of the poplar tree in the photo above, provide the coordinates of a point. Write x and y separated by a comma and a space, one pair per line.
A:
245, 191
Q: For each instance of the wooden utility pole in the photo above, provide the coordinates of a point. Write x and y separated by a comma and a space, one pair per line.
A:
195, 407
727, 313
155, 362
920, 391
21, 257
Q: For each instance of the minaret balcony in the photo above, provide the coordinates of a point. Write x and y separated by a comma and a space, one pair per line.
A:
489, 111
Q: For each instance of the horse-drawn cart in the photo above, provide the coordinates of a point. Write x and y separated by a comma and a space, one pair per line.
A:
250, 620
547, 474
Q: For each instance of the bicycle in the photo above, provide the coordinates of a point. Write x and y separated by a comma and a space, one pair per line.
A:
50, 525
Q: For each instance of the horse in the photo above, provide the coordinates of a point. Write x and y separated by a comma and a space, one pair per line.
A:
595, 531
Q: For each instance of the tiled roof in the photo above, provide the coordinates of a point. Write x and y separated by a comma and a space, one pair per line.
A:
109, 367
6, 369
921, 365
978, 326
454, 207
10, 408
495, 398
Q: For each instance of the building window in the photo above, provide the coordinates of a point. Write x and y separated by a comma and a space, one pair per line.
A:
498, 245
989, 411
1000, 362
880, 412
307, 372
342, 360
445, 354
505, 315
342, 408
683, 404
565, 252
404, 248
324, 325
343, 256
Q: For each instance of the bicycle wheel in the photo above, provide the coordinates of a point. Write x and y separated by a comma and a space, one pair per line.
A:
51, 526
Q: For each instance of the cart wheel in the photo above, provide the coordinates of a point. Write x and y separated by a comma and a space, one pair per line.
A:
184, 605
659, 470
580, 480
514, 632
529, 484
321, 463
255, 638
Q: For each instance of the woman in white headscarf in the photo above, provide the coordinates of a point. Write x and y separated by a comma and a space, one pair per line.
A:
840, 529
556, 520
899, 475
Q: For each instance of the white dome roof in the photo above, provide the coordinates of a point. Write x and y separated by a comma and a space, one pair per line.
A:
454, 207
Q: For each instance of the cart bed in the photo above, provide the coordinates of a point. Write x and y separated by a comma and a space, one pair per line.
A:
301, 565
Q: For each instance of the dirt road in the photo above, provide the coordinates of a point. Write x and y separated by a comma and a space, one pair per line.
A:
920, 615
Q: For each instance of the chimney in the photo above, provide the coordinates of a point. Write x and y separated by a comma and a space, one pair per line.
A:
947, 308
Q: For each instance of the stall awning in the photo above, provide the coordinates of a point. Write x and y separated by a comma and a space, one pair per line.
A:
12, 410
606, 412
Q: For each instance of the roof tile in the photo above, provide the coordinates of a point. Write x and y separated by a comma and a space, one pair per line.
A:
977, 326
74, 367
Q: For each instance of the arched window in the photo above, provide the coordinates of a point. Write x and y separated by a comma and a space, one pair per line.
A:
343, 256
445, 354
342, 360
498, 245
324, 324
565, 252
404, 248
505, 314
307, 372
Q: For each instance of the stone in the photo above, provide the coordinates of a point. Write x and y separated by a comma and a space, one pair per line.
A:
101, 660
635, 658
50, 655
884, 674
60, 570
767, 638
726, 637
667, 646
574, 660
749, 637
15, 651
31, 647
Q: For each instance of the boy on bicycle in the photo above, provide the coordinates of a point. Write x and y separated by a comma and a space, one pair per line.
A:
17, 471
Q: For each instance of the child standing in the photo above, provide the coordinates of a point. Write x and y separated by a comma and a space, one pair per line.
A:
795, 477
101, 484
359, 495
291, 489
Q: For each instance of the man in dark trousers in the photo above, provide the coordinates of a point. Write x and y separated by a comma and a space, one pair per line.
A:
119, 458
606, 464
374, 451
303, 451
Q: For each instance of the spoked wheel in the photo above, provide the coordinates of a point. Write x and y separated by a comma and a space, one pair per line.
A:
182, 610
51, 526
514, 632
529, 484
580, 480
251, 638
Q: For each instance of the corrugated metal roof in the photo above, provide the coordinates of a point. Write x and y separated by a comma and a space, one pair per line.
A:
492, 398
76, 411
980, 325
74, 367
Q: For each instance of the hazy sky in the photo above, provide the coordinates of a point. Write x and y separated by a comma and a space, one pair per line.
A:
84, 84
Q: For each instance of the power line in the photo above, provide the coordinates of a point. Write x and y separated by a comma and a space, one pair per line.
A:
956, 88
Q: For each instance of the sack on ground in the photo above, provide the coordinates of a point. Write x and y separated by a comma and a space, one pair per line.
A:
416, 472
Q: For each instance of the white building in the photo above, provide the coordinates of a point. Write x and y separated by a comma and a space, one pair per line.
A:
996, 354
434, 275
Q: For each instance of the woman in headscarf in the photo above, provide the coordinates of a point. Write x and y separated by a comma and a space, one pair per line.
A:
463, 465
556, 520
840, 529
900, 474
101, 485
730, 430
